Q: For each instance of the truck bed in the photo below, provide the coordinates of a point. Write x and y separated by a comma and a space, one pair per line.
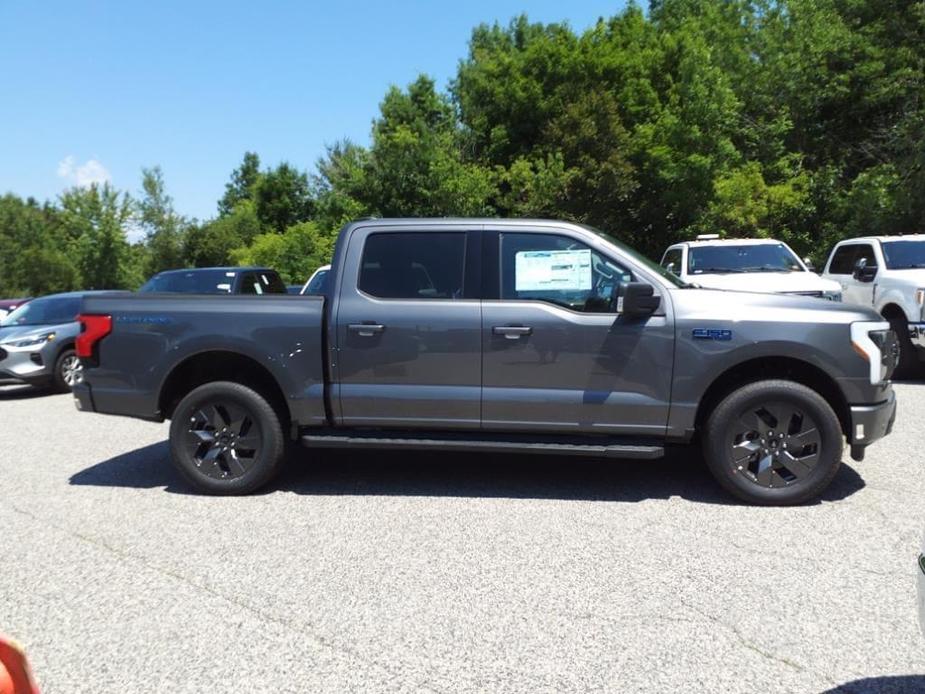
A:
156, 337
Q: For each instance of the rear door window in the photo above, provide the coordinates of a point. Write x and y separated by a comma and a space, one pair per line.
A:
423, 265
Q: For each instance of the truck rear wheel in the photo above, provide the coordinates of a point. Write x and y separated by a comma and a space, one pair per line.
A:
774, 443
225, 438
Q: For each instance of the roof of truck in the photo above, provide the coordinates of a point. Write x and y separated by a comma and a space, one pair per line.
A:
892, 237
729, 242
229, 268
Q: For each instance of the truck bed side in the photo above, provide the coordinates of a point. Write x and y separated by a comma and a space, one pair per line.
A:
161, 344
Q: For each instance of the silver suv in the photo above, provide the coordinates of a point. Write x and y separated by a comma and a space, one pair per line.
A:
37, 342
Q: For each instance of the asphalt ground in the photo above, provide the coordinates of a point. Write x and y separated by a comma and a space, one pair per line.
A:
449, 573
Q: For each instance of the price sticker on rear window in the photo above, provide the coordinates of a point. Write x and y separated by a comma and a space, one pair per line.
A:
552, 270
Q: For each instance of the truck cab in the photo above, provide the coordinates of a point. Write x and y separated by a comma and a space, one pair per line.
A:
887, 273
753, 265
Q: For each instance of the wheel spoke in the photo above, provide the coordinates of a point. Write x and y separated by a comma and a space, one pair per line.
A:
745, 449
196, 437
799, 467
235, 464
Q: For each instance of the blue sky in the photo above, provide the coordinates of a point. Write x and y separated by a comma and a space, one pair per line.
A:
96, 89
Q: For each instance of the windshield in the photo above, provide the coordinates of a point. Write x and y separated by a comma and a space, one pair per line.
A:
764, 257
191, 282
640, 258
318, 283
48, 311
904, 255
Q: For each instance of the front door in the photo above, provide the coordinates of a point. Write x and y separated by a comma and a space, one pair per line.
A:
557, 356
408, 331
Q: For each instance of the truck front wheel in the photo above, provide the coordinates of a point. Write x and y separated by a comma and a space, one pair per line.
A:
773, 443
225, 438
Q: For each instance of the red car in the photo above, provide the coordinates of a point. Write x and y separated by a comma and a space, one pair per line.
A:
8, 305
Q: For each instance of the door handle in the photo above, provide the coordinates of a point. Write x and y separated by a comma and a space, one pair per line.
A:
512, 332
366, 329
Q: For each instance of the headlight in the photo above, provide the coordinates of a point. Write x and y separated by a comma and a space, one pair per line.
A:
876, 343
832, 296
36, 341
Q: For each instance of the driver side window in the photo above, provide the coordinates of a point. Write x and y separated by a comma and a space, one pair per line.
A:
559, 270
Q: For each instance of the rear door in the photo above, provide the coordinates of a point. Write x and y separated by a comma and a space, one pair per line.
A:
408, 324
557, 357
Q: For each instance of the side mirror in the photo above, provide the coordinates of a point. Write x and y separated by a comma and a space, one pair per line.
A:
636, 300
809, 264
669, 267
864, 272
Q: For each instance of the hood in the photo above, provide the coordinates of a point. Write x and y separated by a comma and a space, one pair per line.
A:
767, 282
912, 278
15, 333
764, 306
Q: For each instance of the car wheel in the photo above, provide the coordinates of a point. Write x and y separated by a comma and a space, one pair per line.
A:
773, 443
68, 371
225, 438
908, 363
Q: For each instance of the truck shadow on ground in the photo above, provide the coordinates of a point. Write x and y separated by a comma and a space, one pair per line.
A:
19, 392
681, 473
898, 684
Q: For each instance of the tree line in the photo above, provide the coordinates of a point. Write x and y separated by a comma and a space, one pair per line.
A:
798, 119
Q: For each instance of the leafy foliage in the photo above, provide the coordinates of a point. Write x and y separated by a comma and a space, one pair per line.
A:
798, 119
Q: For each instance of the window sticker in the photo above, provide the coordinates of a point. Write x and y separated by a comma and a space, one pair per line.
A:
552, 270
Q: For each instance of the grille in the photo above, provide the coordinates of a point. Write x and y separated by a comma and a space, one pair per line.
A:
813, 294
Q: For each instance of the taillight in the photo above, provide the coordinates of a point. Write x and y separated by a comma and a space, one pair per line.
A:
93, 329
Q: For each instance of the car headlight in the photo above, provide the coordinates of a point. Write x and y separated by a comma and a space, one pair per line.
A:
36, 341
876, 343
832, 295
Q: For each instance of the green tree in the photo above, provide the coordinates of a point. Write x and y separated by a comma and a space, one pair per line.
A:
97, 219
282, 197
295, 254
241, 186
164, 228
211, 243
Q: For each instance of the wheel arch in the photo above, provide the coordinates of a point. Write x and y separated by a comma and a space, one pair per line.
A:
893, 310
764, 368
220, 365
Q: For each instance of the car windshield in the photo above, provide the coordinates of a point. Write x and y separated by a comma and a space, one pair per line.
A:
763, 257
904, 255
48, 311
640, 258
191, 282
318, 283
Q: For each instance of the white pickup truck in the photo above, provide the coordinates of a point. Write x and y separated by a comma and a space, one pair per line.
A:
735, 264
888, 274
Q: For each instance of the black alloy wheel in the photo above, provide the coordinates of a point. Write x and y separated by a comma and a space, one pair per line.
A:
773, 442
226, 438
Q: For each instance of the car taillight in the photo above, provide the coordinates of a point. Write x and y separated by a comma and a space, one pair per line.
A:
93, 329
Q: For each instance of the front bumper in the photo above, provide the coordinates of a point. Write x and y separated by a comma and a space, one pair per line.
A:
83, 399
917, 336
870, 423
23, 365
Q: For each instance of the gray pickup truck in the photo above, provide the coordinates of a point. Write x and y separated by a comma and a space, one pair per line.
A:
497, 335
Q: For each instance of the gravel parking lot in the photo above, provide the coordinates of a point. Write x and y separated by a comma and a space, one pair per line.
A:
449, 572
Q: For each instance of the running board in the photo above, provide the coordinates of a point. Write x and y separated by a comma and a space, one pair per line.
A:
519, 445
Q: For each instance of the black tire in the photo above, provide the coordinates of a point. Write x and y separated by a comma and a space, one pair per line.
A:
750, 439
67, 367
908, 365
225, 438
